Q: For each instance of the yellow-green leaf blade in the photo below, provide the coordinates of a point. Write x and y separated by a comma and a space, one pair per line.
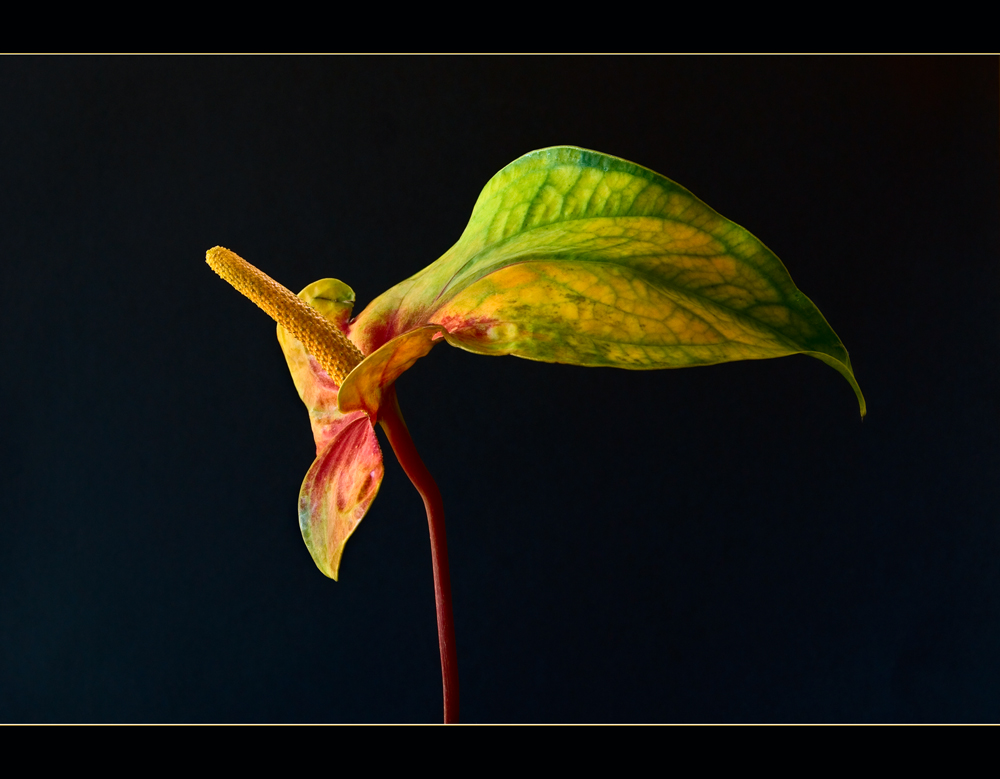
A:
579, 257
593, 313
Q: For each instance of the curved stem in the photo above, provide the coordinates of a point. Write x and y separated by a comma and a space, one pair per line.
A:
399, 439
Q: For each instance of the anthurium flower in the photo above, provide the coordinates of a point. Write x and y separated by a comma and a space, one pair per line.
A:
570, 256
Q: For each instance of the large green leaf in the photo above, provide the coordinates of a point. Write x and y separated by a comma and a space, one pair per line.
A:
578, 257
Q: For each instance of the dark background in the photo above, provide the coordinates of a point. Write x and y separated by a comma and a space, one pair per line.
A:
721, 544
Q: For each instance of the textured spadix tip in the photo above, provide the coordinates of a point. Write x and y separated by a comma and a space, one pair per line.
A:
321, 338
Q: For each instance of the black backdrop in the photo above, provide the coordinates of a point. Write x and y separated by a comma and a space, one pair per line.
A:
722, 544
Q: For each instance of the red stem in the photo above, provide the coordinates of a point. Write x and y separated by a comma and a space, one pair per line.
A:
399, 439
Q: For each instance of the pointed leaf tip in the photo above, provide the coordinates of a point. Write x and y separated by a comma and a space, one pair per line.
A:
845, 370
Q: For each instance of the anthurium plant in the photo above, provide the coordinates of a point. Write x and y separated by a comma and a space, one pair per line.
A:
571, 256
